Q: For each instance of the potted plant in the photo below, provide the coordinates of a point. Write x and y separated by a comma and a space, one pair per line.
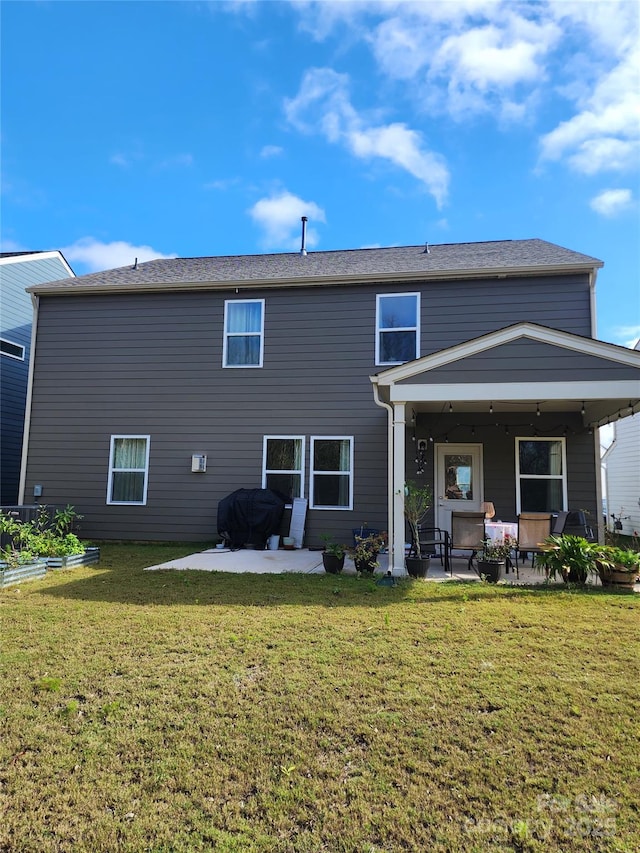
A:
492, 560
365, 552
417, 502
617, 567
333, 555
571, 557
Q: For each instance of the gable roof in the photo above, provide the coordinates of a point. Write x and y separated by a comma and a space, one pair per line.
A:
601, 398
452, 260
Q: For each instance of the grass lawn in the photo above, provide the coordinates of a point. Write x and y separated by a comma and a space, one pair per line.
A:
191, 711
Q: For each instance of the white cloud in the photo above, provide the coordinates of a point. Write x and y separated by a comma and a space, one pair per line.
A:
611, 202
268, 151
279, 217
627, 336
96, 255
322, 105
605, 134
508, 59
177, 161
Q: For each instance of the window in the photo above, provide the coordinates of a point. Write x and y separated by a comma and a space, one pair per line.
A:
11, 349
128, 469
397, 328
283, 465
541, 475
331, 473
243, 333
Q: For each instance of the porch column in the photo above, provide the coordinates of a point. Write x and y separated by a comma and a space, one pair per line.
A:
399, 426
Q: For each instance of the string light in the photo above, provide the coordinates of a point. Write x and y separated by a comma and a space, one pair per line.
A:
582, 409
450, 408
490, 408
538, 409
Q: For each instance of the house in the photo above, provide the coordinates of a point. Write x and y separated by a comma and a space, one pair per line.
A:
622, 475
18, 270
161, 387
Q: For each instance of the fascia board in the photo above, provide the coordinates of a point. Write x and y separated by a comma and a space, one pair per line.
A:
40, 256
514, 391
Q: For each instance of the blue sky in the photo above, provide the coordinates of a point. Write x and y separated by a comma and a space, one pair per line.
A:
150, 129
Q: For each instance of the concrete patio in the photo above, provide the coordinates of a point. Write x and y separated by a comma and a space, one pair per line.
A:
310, 562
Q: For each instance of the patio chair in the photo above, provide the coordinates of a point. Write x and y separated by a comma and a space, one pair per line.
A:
467, 533
559, 522
576, 525
533, 529
435, 541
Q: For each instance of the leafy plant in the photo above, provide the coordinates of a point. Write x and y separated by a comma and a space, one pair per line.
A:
619, 558
496, 552
417, 502
366, 550
45, 536
335, 549
571, 557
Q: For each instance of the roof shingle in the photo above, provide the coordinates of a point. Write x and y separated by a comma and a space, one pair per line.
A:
319, 267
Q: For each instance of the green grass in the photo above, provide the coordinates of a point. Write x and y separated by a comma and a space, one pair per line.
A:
192, 711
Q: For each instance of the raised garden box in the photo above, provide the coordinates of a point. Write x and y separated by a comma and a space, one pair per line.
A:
24, 572
90, 556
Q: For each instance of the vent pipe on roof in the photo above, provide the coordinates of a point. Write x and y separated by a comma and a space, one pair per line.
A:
303, 247
427, 250
135, 264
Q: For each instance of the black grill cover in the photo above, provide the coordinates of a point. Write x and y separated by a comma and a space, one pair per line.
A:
250, 516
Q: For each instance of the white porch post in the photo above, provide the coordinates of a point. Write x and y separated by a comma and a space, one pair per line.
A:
399, 426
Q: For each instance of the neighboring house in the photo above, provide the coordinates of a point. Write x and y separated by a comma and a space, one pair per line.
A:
18, 270
622, 475
334, 376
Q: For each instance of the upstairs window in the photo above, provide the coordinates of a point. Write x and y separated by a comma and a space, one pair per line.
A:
243, 333
541, 475
397, 328
128, 469
331, 472
283, 465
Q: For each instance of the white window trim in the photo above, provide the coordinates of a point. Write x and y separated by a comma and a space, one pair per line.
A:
13, 344
143, 502
563, 476
227, 335
415, 329
312, 472
300, 471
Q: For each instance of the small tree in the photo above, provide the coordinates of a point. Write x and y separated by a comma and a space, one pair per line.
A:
417, 502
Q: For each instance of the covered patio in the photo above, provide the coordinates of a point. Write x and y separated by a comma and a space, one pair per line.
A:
489, 402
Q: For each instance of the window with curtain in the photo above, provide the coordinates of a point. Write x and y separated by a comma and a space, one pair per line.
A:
541, 475
128, 469
283, 465
331, 472
243, 333
397, 328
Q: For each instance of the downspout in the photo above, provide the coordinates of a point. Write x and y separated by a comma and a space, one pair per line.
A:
27, 408
592, 302
389, 408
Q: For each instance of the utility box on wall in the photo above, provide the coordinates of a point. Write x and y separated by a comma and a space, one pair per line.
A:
199, 463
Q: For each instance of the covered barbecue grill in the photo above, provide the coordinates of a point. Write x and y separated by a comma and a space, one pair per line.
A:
249, 517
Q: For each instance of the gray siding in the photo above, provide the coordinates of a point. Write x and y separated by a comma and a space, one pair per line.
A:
150, 363
526, 361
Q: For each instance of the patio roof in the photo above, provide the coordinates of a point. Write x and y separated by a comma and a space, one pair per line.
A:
561, 371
